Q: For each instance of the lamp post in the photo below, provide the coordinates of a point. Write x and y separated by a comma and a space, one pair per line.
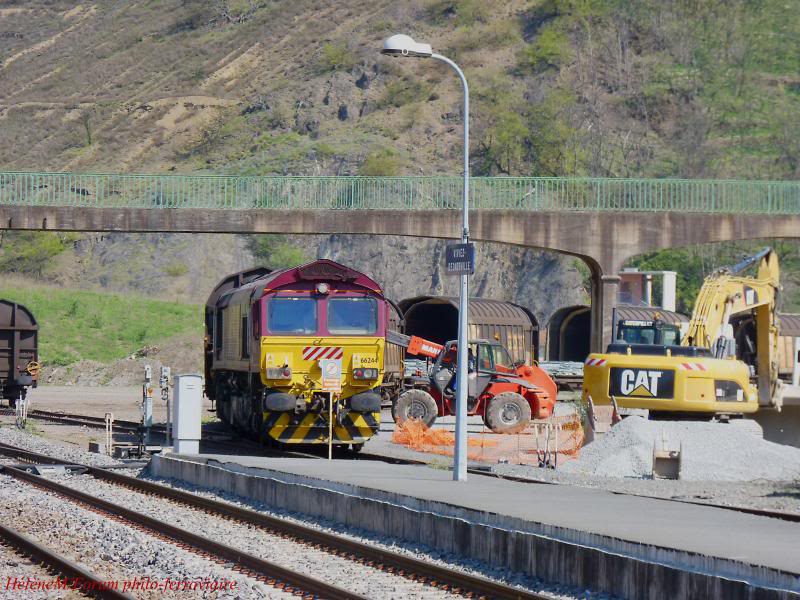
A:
403, 45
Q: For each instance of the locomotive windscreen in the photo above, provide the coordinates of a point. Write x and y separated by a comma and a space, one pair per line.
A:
292, 315
352, 316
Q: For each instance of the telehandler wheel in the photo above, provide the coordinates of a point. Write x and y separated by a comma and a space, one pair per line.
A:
508, 412
415, 404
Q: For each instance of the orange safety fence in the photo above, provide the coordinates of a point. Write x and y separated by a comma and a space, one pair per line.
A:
539, 443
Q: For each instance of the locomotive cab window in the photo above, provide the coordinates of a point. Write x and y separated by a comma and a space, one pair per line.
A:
352, 316
292, 315
245, 337
218, 336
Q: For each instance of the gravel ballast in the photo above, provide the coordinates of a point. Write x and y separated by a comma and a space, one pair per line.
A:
20, 570
114, 551
339, 571
11, 435
709, 452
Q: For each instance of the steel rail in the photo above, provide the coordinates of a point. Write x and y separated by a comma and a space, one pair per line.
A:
387, 560
89, 420
277, 576
82, 420
62, 566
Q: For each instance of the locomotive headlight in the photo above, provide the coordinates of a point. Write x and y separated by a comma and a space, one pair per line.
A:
279, 373
323, 288
365, 373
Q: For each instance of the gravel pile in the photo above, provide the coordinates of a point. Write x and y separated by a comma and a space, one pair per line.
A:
709, 452
113, 551
11, 435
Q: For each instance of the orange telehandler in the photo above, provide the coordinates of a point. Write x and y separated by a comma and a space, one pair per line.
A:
505, 393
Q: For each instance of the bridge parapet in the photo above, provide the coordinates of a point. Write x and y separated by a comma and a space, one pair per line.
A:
398, 193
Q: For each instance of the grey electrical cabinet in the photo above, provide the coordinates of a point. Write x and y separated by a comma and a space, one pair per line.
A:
188, 410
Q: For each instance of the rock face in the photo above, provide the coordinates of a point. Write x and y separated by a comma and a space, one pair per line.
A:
181, 266
185, 267
539, 281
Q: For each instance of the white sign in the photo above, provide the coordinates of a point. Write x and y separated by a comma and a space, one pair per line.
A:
331, 374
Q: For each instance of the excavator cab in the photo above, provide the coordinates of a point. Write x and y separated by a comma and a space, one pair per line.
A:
648, 332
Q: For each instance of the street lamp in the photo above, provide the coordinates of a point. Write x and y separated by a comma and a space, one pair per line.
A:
403, 45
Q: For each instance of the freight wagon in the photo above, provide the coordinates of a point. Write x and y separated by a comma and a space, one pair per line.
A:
266, 333
19, 351
435, 318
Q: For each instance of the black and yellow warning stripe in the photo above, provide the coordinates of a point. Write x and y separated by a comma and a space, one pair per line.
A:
312, 428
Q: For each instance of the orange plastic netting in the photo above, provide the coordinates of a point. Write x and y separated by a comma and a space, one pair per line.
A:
538, 444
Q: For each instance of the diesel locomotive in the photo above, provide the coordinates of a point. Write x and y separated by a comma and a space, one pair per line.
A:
266, 333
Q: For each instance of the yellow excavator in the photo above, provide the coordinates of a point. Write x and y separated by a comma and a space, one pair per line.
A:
726, 364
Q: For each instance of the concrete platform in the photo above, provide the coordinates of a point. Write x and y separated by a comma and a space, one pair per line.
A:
629, 546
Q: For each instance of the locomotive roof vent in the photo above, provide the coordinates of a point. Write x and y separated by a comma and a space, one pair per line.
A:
326, 269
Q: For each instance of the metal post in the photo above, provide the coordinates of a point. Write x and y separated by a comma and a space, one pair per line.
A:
330, 425
109, 419
462, 383
614, 332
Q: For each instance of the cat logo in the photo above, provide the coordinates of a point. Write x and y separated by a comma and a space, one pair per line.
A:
642, 383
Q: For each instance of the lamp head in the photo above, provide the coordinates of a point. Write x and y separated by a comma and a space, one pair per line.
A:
404, 45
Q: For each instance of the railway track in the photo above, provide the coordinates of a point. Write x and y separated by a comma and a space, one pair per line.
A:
76, 577
409, 568
82, 420
245, 444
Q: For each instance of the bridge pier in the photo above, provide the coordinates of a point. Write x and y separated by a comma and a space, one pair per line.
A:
604, 293
605, 290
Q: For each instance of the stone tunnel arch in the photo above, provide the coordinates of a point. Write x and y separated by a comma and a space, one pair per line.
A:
436, 318
568, 333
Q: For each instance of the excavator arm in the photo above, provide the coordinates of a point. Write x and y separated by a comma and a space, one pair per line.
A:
727, 294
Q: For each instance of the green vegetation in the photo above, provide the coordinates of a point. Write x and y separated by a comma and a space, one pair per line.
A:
336, 57
381, 163
464, 12
275, 252
550, 49
693, 264
32, 252
405, 91
78, 325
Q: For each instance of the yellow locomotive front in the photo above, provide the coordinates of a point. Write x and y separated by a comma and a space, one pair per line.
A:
270, 334
303, 332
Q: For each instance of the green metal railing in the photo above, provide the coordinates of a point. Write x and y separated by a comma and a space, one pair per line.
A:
397, 193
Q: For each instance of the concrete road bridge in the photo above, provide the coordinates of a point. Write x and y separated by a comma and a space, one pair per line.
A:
602, 221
